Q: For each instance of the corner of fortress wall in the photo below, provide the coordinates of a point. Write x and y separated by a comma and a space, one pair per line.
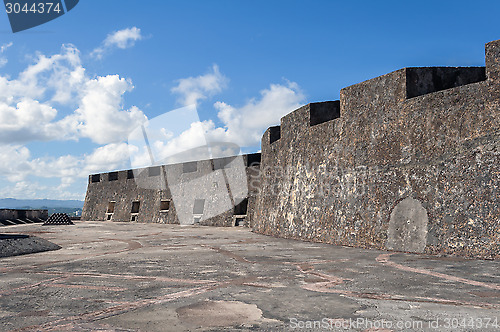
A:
406, 161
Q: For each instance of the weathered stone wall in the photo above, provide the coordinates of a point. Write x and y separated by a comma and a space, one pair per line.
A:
24, 215
220, 183
411, 164
407, 161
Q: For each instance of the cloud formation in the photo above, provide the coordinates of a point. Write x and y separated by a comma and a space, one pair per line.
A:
242, 126
192, 90
25, 173
121, 39
28, 104
245, 125
3, 48
53, 99
100, 116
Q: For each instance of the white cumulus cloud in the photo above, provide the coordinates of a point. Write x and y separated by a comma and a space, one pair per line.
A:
121, 39
242, 126
245, 125
30, 103
193, 89
105, 158
100, 115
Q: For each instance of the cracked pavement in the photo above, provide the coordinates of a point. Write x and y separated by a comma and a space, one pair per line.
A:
155, 277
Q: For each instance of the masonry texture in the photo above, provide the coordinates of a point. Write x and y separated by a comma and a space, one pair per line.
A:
407, 161
18, 217
207, 192
409, 164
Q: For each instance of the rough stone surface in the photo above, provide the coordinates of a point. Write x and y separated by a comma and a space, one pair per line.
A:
15, 244
397, 137
335, 172
150, 277
219, 313
15, 216
408, 227
207, 180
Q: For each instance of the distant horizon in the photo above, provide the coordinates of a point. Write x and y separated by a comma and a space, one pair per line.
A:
40, 199
40, 203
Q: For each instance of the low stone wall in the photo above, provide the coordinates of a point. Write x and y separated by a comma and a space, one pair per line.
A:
17, 216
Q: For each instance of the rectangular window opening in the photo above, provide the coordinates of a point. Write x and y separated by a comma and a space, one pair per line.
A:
165, 205
241, 208
154, 171
96, 178
240, 222
135, 207
222, 163
130, 174
323, 112
112, 176
190, 167
199, 206
253, 159
274, 134
111, 207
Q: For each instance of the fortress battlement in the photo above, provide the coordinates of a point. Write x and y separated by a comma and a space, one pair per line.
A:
188, 192
407, 161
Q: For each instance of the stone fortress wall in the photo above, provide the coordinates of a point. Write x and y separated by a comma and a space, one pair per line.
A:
406, 161
147, 195
22, 216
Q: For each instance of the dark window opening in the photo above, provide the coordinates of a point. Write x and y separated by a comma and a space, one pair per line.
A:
130, 174
133, 218
274, 134
323, 112
241, 208
96, 178
112, 176
135, 207
199, 206
110, 215
222, 163
154, 171
240, 222
421, 81
165, 205
190, 167
111, 207
253, 159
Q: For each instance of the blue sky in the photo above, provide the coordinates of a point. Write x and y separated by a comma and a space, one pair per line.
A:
73, 89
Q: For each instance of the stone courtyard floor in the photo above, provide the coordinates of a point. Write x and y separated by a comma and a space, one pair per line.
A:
152, 277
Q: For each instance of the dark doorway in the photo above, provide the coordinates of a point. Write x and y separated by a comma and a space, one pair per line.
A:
165, 205
241, 208
135, 207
